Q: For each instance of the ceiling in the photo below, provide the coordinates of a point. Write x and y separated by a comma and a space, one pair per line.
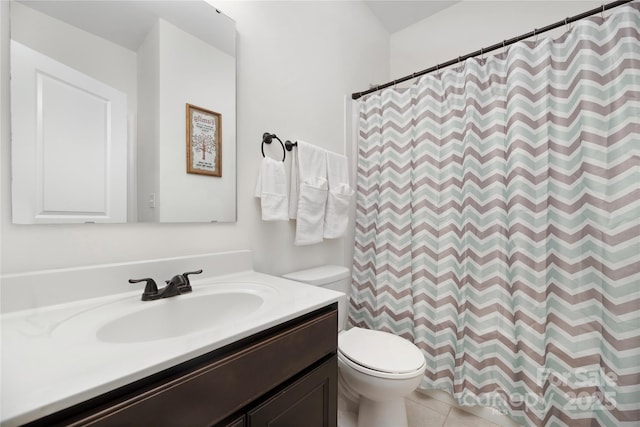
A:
397, 15
128, 23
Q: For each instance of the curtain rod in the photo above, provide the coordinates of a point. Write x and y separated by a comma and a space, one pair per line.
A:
496, 46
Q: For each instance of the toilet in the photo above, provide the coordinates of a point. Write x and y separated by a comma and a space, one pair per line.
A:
376, 369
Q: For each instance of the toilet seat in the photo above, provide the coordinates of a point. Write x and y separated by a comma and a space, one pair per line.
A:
380, 354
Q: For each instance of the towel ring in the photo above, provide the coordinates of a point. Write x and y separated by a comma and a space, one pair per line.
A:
267, 138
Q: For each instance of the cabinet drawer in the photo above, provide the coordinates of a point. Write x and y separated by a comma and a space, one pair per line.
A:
226, 384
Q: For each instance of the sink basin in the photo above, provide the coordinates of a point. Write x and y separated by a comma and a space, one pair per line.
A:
130, 320
172, 317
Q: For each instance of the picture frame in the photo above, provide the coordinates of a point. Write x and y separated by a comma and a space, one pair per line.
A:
204, 141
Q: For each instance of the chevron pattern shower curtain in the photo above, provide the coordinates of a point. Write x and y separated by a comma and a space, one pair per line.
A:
498, 225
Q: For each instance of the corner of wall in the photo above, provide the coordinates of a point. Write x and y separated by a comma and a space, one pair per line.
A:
5, 119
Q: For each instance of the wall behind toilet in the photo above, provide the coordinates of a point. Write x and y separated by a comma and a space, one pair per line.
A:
296, 62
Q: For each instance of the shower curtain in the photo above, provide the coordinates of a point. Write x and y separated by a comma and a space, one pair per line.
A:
498, 225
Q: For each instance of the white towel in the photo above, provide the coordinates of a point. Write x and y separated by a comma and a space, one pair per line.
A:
336, 217
271, 188
308, 193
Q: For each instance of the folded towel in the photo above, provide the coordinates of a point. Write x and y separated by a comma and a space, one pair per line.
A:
308, 193
336, 216
271, 188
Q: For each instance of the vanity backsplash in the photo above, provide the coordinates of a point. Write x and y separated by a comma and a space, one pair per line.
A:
47, 287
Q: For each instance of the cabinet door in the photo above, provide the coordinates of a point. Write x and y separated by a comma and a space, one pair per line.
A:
237, 422
69, 150
311, 401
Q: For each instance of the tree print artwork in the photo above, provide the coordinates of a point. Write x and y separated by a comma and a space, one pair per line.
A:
205, 144
203, 141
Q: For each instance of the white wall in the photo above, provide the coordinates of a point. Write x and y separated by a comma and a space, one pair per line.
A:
296, 62
210, 85
147, 156
471, 25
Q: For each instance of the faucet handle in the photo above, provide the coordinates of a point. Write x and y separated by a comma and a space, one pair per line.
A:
150, 289
186, 276
185, 286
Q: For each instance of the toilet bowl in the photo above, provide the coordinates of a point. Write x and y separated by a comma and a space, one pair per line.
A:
382, 369
376, 369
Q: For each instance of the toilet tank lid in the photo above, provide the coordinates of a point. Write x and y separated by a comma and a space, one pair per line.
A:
319, 275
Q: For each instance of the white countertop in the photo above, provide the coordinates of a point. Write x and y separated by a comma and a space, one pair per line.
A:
51, 361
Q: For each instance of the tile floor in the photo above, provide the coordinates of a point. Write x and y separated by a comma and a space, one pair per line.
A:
426, 411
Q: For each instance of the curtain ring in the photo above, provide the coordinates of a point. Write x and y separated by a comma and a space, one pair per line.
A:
504, 47
482, 54
602, 11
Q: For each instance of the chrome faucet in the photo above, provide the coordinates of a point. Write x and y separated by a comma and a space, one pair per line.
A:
177, 285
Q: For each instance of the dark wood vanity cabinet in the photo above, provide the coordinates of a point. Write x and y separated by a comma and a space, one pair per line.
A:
237, 422
309, 402
283, 377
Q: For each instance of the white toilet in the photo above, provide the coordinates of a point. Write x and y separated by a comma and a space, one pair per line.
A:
378, 369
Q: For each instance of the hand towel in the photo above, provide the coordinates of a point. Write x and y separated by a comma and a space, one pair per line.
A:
308, 193
336, 216
294, 185
271, 188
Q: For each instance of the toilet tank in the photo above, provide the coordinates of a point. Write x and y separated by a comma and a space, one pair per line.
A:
334, 277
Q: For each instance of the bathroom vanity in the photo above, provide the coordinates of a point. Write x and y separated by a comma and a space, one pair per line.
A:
286, 375
89, 362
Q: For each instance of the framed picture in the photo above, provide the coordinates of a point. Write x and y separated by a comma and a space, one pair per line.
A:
204, 141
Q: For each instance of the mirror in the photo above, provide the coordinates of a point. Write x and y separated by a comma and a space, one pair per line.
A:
109, 101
